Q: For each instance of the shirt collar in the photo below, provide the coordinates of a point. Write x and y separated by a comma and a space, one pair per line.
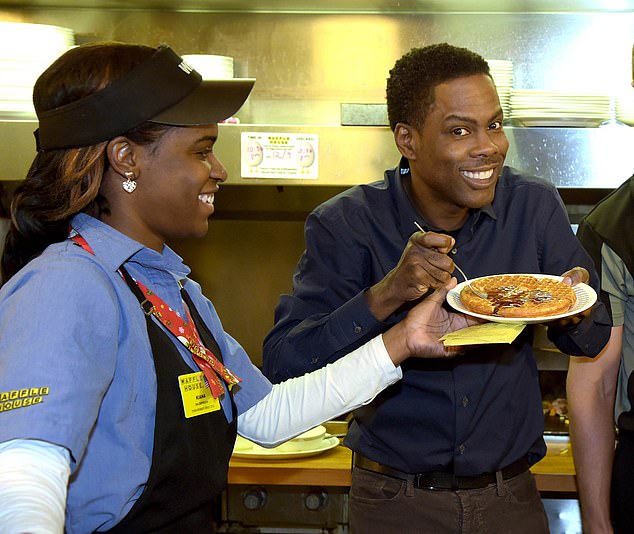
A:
407, 213
114, 248
407, 210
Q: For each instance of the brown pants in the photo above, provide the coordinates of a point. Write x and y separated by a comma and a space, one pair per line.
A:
380, 504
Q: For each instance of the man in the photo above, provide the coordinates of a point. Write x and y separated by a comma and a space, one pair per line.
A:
448, 449
601, 392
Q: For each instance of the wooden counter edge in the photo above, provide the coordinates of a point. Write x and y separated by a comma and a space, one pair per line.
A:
299, 476
552, 474
557, 482
332, 468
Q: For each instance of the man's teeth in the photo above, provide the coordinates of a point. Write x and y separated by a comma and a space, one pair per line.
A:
206, 198
481, 175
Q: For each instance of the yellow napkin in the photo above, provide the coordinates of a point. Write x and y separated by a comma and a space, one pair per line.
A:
483, 333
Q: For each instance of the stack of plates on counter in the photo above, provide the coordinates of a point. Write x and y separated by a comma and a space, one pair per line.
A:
211, 67
537, 107
502, 74
26, 50
625, 108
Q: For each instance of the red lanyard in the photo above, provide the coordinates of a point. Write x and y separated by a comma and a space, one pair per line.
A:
184, 331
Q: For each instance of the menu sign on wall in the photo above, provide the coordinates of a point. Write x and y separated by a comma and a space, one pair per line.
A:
279, 155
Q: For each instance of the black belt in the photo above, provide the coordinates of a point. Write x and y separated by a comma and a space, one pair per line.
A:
440, 480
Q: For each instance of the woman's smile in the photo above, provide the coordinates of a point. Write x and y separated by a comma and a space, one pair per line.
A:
207, 198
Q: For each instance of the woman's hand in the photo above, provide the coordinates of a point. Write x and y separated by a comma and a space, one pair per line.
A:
419, 333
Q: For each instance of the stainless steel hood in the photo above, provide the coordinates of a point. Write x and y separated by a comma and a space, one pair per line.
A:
344, 6
597, 158
308, 63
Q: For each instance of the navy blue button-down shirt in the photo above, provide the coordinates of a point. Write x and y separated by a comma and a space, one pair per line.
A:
475, 413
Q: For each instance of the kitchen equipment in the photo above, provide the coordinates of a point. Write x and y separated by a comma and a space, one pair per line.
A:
284, 509
291, 496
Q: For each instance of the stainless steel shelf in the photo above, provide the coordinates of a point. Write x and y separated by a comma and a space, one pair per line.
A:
340, 6
578, 158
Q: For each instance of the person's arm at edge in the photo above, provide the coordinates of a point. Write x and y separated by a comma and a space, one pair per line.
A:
591, 391
33, 485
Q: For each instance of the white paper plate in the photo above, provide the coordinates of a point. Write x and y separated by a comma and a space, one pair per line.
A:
586, 297
260, 453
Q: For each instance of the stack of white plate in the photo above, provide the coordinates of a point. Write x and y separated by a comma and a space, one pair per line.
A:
502, 74
537, 107
26, 50
625, 108
211, 67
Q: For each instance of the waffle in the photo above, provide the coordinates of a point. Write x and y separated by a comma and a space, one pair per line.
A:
518, 296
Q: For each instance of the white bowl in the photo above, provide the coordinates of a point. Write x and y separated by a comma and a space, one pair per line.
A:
307, 441
211, 67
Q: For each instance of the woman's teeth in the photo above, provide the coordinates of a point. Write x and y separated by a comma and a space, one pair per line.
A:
481, 175
206, 198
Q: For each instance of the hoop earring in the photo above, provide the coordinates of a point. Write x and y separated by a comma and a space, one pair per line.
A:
130, 183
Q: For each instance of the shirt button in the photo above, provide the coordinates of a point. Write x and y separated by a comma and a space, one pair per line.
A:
465, 401
357, 329
461, 449
314, 360
454, 251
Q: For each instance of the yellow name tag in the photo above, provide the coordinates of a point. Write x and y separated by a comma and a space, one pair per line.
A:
196, 395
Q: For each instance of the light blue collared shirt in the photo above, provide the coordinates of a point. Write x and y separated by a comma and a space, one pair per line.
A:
76, 366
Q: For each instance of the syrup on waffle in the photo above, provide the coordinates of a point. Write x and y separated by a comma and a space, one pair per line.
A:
518, 296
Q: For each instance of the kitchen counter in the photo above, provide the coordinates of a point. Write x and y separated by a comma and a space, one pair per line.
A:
554, 473
330, 468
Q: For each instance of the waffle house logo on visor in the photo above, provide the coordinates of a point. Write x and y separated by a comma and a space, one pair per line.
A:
185, 67
22, 398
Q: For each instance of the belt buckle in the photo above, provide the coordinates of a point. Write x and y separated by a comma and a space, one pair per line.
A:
433, 484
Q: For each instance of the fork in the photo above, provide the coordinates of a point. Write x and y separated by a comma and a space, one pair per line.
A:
480, 294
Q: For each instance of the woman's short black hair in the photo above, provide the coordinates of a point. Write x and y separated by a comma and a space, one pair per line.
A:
410, 86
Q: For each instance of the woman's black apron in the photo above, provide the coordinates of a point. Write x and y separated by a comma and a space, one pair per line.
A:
190, 458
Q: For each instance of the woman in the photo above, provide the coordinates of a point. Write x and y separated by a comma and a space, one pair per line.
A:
117, 408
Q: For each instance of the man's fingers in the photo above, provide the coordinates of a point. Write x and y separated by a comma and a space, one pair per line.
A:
439, 242
422, 289
576, 275
440, 293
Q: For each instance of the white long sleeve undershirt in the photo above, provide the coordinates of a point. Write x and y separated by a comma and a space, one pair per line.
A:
33, 480
301, 403
34, 474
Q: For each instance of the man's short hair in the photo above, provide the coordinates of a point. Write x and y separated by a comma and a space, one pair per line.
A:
410, 86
